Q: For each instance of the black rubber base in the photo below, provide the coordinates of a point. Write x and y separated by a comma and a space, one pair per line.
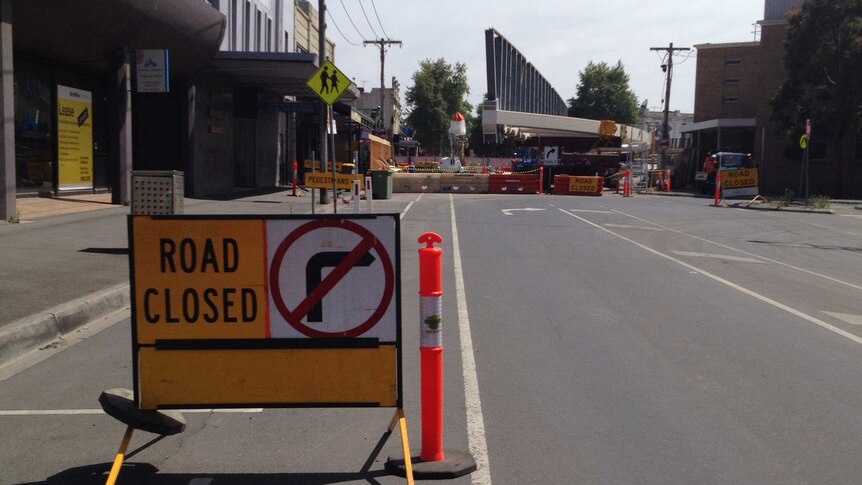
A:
455, 464
120, 405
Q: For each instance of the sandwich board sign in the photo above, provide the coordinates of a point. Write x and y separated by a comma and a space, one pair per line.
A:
276, 311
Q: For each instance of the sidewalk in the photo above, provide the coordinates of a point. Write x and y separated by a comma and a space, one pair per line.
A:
66, 263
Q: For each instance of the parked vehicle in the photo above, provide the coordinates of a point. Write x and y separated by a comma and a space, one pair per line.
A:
704, 179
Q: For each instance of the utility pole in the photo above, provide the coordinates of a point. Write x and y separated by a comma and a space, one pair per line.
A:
382, 43
665, 128
324, 109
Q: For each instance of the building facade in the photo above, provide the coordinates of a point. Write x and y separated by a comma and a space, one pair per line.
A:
71, 102
734, 86
232, 108
388, 117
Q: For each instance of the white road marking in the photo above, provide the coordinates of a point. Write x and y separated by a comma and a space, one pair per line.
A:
73, 412
590, 211
797, 268
718, 256
846, 317
642, 228
508, 212
410, 205
765, 299
852, 215
475, 420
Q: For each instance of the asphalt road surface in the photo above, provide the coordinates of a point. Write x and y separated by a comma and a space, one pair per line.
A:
651, 340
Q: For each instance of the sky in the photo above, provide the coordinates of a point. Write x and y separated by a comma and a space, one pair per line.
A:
559, 37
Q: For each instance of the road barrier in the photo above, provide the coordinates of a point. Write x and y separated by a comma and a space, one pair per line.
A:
513, 184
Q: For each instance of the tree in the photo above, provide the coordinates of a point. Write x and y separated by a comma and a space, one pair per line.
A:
439, 91
823, 58
603, 94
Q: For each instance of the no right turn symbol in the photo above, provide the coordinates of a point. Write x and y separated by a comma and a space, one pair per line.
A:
330, 278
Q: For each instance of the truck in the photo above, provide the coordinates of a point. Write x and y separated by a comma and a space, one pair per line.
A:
704, 179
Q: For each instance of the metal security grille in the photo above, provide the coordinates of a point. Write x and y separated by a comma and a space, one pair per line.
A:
157, 192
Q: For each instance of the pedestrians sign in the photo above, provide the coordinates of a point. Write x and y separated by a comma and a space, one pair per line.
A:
328, 82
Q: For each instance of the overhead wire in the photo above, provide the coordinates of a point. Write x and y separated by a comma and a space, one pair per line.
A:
351, 22
367, 20
378, 19
339, 30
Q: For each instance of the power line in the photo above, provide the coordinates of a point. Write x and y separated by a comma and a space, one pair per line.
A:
339, 30
378, 19
366, 19
351, 21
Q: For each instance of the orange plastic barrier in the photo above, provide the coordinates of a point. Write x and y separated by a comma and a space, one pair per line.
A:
513, 184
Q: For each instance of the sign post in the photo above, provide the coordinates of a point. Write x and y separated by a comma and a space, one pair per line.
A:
328, 83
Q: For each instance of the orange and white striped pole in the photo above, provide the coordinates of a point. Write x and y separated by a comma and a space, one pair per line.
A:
431, 346
294, 177
717, 187
627, 185
667, 181
541, 178
433, 462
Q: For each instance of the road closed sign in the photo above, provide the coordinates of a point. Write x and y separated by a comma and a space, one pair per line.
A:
284, 310
735, 183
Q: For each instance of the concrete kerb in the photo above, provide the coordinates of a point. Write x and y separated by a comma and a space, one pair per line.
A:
27, 334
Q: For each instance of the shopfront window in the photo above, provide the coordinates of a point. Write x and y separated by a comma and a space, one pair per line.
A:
34, 126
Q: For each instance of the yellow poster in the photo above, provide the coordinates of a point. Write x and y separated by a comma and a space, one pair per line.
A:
74, 138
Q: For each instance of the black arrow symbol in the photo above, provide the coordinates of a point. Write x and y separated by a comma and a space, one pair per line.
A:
313, 275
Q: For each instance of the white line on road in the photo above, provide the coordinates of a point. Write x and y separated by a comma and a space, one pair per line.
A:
410, 205
590, 211
846, 317
73, 412
765, 299
718, 256
797, 268
475, 420
642, 228
508, 212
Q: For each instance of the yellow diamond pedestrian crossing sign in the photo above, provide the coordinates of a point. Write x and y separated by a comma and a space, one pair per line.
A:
328, 82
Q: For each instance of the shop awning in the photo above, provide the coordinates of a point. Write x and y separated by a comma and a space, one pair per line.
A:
87, 33
281, 73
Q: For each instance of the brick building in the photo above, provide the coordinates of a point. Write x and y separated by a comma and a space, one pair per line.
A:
734, 86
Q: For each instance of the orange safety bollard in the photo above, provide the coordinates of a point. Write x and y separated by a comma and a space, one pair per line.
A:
627, 185
433, 462
294, 177
717, 187
667, 181
431, 346
541, 178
